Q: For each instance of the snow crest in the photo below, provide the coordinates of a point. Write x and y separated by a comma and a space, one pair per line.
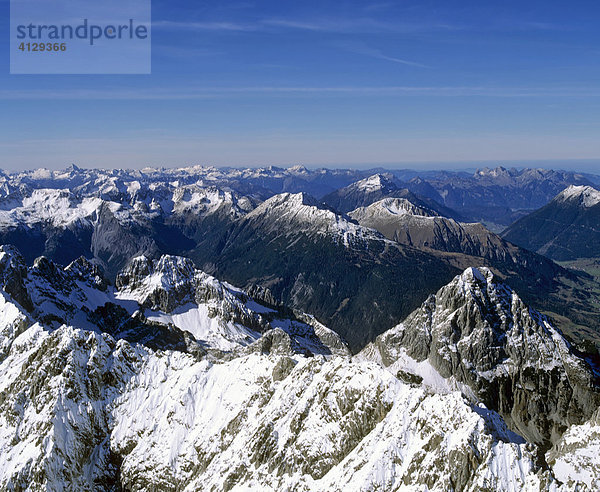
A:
585, 195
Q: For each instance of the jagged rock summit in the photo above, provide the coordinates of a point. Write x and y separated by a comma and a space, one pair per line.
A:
165, 304
477, 335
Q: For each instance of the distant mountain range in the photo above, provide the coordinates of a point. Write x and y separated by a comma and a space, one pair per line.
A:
288, 248
496, 197
374, 188
499, 196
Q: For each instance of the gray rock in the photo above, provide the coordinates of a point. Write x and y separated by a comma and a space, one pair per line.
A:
478, 332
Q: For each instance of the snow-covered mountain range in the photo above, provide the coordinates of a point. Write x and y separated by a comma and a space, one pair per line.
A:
173, 380
264, 230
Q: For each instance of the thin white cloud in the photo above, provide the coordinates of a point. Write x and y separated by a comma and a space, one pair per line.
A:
526, 25
361, 48
331, 25
360, 25
375, 53
224, 92
204, 26
365, 24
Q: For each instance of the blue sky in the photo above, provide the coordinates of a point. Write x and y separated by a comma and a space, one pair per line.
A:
336, 83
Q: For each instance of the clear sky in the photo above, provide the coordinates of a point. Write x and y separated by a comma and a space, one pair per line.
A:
326, 82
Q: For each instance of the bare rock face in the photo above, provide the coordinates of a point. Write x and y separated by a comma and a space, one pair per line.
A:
166, 282
478, 333
283, 368
86, 271
172, 281
13, 272
274, 341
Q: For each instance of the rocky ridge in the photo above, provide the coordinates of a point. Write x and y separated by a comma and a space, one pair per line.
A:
565, 229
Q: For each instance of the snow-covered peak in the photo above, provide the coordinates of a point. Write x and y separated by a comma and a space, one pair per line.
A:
298, 208
392, 207
291, 201
300, 213
476, 335
476, 277
59, 207
168, 271
585, 196
73, 168
172, 291
497, 171
373, 183
298, 169
208, 200
168, 282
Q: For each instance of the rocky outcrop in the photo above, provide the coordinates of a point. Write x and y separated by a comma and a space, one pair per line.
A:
13, 272
574, 458
476, 332
160, 284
